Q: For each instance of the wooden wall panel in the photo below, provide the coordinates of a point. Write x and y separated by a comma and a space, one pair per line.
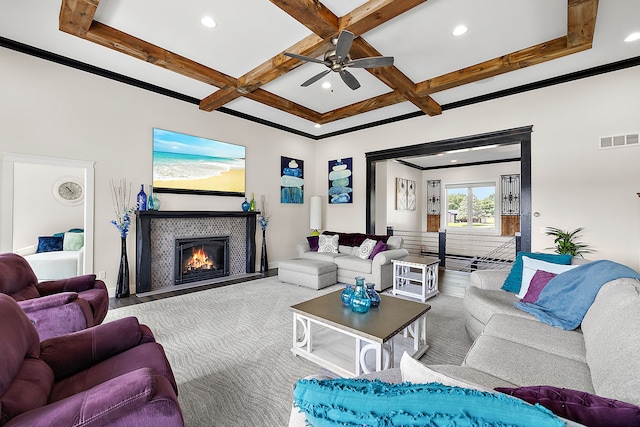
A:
433, 223
510, 225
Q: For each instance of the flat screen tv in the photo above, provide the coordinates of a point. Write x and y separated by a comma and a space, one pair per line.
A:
187, 164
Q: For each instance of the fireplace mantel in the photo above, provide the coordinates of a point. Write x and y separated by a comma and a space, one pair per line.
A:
145, 225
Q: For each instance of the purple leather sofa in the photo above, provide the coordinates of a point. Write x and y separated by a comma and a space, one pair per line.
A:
113, 374
55, 307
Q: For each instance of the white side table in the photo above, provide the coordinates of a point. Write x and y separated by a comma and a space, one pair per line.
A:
416, 277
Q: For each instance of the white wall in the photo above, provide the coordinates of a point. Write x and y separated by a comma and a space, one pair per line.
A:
574, 184
404, 219
52, 110
35, 211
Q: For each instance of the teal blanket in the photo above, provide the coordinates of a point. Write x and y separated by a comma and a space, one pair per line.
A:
565, 300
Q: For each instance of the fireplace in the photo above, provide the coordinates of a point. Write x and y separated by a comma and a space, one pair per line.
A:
201, 258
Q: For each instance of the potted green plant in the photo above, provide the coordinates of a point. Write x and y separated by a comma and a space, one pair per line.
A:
565, 241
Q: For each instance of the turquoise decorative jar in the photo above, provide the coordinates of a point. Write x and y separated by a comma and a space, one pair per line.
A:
360, 302
346, 295
373, 295
245, 205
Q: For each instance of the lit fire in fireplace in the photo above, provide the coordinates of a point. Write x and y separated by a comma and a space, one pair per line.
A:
199, 260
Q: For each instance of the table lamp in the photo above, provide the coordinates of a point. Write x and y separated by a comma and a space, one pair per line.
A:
315, 216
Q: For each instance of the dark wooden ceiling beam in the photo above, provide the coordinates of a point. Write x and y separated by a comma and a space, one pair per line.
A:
107, 36
373, 13
580, 27
312, 14
395, 79
370, 104
266, 72
312, 46
581, 22
275, 101
76, 16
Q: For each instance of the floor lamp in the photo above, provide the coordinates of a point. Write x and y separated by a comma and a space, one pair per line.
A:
315, 215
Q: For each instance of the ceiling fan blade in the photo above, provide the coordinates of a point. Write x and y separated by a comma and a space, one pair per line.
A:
349, 79
343, 45
304, 58
315, 78
376, 61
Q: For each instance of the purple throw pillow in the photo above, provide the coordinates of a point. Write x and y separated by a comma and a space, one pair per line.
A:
538, 282
379, 247
579, 406
313, 242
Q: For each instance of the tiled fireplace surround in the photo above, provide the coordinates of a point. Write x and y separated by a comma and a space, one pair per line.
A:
156, 232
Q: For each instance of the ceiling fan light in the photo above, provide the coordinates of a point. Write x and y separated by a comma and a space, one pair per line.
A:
208, 22
459, 30
632, 37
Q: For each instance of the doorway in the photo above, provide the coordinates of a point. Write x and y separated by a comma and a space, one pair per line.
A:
521, 136
15, 202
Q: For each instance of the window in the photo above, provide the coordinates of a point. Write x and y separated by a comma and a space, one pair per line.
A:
471, 206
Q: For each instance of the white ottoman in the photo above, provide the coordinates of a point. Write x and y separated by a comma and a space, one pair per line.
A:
310, 273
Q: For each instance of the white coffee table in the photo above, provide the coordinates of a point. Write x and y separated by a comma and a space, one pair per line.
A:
328, 333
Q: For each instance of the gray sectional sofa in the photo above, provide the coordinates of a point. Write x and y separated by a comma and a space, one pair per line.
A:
378, 270
514, 349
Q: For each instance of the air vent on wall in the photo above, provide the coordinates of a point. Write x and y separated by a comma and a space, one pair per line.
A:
619, 140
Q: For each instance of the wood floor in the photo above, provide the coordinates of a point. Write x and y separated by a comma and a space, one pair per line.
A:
450, 282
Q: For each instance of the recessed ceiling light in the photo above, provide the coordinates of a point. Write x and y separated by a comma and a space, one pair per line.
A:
459, 30
454, 161
317, 125
632, 37
208, 22
326, 85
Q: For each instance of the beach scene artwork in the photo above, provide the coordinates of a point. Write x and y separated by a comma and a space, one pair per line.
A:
185, 163
291, 180
340, 181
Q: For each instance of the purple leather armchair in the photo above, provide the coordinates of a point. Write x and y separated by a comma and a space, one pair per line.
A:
113, 374
55, 307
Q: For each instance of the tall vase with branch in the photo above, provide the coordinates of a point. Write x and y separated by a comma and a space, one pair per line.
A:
263, 219
122, 207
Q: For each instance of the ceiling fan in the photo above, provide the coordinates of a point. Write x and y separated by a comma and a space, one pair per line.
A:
337, 59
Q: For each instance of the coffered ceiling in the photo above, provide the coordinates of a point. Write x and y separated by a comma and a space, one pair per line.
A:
239, 66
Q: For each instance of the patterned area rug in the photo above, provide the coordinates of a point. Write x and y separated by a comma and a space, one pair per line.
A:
229, 348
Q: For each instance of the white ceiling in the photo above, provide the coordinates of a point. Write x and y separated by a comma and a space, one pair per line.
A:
250, 32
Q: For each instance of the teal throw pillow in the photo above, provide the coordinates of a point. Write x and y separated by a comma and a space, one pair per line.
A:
73, 241
514, 279
359, 402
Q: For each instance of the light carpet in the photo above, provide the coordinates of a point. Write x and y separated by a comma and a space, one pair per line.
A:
229, 348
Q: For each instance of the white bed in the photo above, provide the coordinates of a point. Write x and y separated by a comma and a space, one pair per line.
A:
54, 265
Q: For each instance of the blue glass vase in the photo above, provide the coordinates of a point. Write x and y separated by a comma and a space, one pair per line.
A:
360, 302
373, 295
346, 295
141, 200
245, 205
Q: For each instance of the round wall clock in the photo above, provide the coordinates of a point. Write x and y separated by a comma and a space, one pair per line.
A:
68, 191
